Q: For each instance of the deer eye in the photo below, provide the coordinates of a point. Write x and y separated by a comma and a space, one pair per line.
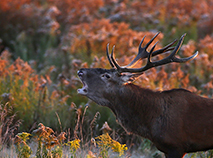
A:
106, 76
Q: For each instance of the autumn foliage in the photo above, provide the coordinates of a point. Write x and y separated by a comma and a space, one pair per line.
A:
44, 43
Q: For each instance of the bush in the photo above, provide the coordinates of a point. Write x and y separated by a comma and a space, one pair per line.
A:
44, 43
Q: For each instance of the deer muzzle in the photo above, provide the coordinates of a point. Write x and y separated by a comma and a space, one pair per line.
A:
84, 89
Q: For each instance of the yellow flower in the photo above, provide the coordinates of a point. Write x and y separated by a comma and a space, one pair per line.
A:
74, 145
117, 147
104, 140
24, 136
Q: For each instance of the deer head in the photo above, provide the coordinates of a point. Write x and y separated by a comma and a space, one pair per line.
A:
98, 83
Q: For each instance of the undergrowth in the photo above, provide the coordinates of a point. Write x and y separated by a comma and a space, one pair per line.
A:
44, 43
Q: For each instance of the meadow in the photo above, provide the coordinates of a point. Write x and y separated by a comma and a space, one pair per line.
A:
44, 43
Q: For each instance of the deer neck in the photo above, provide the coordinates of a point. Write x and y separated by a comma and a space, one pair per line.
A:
134, 107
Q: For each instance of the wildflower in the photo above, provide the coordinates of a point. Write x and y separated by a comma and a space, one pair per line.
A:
23, 150
24, 136
57, 152
61, 137
49, 130
74, 145
104, 140
40, 132
117, 147
50, 141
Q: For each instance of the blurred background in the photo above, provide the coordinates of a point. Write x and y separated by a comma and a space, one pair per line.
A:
44, 42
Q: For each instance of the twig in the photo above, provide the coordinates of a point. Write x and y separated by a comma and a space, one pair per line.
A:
59, 121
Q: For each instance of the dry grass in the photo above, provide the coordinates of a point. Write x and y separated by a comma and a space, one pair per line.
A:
44, 43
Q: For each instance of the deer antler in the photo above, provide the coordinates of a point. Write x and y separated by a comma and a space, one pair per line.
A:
144, 54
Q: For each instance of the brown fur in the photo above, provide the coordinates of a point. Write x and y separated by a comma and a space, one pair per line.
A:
176, 121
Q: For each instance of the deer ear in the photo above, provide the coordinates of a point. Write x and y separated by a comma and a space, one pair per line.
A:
129, 77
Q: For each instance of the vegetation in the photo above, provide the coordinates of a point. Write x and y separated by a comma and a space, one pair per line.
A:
44, 43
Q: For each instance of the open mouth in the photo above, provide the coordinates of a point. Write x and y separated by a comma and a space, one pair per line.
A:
84, 89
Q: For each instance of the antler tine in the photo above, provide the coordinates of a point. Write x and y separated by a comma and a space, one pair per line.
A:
119, 69
142, 52
139, 47
107, 52
151, 53
153, 38
169, 59
178, 60
164, 49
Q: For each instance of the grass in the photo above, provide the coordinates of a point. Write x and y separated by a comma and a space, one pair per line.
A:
43, 45
47, 144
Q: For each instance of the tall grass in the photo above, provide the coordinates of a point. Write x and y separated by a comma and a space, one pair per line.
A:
43, 44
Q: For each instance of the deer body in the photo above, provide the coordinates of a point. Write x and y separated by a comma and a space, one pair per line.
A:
176, 121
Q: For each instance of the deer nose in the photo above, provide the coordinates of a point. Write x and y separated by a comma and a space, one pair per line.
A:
80, 73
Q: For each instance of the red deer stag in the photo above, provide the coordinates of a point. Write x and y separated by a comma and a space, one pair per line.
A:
177, 121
